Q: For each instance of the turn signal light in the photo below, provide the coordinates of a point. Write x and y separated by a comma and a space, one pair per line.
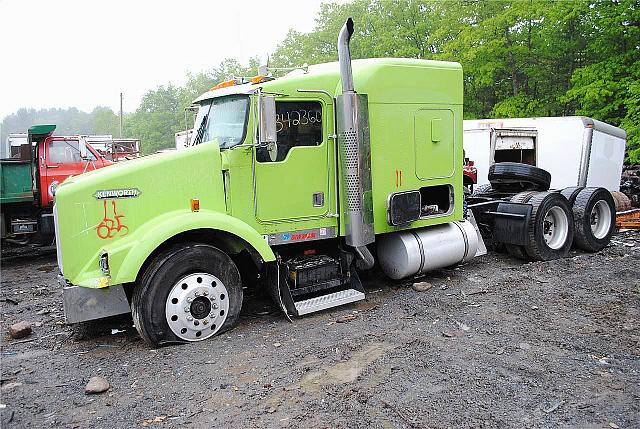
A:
258, 79
195, 204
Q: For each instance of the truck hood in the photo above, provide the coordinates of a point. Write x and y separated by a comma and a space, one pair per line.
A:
100, 210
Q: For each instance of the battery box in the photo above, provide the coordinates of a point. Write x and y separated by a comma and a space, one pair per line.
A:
312, 270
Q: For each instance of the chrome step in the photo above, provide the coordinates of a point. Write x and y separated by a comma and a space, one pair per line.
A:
327, 301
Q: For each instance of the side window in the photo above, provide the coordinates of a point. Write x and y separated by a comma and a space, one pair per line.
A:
66, 152
298, 123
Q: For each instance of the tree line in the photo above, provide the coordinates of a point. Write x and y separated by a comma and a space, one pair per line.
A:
520, 59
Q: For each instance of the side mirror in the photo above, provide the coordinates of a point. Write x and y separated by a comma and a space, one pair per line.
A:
267, 133
82, 146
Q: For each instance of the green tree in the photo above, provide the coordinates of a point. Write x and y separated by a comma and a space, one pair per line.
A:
607, 87
104, 121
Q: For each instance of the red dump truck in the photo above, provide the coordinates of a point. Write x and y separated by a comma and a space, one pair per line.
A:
29, 178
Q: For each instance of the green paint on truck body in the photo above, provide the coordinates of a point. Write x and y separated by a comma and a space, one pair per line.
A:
15, 181
415, 119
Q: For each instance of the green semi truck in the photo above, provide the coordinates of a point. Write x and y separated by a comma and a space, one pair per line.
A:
296, 185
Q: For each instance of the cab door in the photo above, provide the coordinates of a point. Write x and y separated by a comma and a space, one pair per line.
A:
293, 181
62, 160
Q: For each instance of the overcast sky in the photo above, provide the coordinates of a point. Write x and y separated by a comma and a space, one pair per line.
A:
83, 53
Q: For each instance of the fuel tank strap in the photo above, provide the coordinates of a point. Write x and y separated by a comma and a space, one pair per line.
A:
420, 246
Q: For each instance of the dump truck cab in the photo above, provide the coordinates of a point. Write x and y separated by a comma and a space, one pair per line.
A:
30, 178
294, 184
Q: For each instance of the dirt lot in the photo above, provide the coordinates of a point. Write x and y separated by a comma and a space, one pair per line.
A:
495, 343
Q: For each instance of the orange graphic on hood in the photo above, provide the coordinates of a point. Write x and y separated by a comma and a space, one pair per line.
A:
109, 227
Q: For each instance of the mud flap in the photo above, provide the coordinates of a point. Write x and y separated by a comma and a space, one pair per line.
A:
355, 280
482, 248
278, 288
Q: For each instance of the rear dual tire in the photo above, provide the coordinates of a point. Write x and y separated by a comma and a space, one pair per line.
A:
550, 229
594, 216
582, 217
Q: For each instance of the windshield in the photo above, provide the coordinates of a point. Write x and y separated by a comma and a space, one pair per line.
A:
224, 119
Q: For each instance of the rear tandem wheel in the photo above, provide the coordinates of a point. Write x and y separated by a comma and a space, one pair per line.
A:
551, 227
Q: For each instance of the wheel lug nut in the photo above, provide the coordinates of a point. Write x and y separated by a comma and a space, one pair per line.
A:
196, 293
214, 306
189, 318
205, 293
189, 300
186, 309
205, 322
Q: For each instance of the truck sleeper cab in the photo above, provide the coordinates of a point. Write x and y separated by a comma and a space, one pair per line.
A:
294, 184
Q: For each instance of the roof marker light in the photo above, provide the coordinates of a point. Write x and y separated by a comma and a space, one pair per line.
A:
224, 84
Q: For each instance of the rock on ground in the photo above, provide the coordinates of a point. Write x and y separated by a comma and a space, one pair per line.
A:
96, 384
20, 330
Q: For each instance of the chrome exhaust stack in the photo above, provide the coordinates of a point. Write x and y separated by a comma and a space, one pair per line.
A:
355, 155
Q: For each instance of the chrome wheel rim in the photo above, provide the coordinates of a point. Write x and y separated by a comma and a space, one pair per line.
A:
197, 306
600, 219
555, 228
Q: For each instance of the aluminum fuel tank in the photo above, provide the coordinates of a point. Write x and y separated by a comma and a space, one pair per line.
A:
412, 252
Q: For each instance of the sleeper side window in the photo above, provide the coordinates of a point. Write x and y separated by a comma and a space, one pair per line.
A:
298, 123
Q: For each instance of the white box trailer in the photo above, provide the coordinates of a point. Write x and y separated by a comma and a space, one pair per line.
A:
11, 147
576, 150
183, 139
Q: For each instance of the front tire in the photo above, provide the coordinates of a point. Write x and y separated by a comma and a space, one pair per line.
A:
190, 292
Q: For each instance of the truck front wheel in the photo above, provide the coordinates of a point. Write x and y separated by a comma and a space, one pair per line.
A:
188, 293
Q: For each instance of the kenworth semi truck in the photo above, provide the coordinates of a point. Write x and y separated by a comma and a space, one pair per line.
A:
296, 185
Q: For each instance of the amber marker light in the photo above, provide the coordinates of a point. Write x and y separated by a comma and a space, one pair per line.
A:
195, 204
224, 84
258, 79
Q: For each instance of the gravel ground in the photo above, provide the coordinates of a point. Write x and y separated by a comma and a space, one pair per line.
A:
494, 343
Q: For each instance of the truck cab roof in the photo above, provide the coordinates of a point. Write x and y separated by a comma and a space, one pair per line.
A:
385, 80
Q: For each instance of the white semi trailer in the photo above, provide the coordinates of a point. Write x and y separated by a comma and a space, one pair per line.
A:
12, 145
576, 150
183, 139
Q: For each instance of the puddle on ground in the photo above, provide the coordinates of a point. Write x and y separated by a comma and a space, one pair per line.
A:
343, 372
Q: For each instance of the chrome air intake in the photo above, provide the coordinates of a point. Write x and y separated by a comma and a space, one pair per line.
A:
355, 155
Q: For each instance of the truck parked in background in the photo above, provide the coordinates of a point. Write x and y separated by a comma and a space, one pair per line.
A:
115, 149
29, 180
577, 151
183, 139
297, 185
11, 146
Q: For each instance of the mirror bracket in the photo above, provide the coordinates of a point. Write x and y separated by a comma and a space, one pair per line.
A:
82, 147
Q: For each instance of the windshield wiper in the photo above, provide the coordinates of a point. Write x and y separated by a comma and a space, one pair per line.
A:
200, 132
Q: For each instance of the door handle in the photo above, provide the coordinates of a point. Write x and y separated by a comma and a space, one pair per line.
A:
53, 166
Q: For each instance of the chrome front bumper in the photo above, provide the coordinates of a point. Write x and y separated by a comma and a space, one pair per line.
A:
82, 304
